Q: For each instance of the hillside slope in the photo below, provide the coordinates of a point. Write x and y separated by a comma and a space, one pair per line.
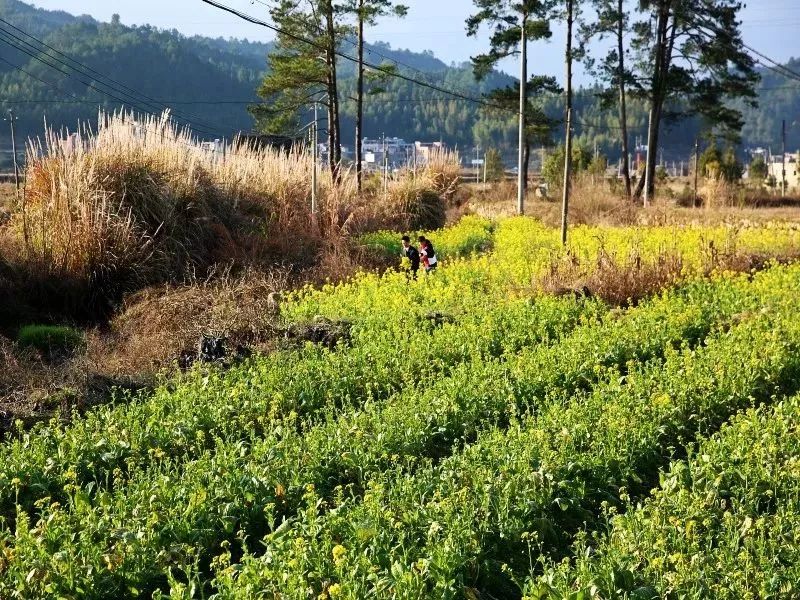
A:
210, 81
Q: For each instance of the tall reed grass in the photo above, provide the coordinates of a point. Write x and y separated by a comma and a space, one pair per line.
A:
138, 200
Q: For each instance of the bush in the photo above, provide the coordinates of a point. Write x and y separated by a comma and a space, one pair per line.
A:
412, 204
50, 339
553, 168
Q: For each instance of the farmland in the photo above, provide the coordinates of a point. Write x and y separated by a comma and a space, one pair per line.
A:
470, 437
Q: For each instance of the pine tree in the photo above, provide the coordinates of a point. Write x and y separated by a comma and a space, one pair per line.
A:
508, 19
366, 13
494, 165
612, 20
692, 50
302, 71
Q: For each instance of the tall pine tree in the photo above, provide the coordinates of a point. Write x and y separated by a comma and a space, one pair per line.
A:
692, 50
366, 12
507, 18
302, 71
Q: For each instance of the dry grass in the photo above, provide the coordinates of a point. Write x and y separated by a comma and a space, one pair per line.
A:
33, 388
618, 281
159, 324
624, 281
140, 202
599, 204
8, 195
156, 327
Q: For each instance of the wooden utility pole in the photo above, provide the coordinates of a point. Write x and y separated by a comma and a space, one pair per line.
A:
696, 168
360, 93
783, 157
649, 165
11, 119
385, 167
623, 109
568, 138
314, 150
523, 100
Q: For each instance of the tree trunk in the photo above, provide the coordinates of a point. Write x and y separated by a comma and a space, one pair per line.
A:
331, 141
623, 109
568, 133
360, 93
334, 133
661, 65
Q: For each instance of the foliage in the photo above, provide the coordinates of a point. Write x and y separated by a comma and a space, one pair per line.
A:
553, 168
355, 467
494, 168
50, 338
714, 526
164, 64
758, 169
716, 164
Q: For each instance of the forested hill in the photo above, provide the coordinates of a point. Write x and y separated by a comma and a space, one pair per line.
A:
210, 81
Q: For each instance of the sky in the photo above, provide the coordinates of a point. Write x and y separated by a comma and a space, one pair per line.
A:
769, 26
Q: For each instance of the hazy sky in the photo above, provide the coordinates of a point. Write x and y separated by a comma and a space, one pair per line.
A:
770, 26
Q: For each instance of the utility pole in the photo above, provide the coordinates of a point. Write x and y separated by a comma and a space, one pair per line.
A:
415, 161
696, 169
360, 94
484, 168
11, 119
314, 150
648, 176
568, 140
523, 78
567, 174
477, 165
385, 166
783, 158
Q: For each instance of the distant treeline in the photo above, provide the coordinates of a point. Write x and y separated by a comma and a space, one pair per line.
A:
165, 65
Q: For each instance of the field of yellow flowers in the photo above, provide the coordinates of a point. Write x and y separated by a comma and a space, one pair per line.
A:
471, 438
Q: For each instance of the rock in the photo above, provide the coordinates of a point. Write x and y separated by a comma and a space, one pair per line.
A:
274, 301
325, 332
576, 292
437, 318
211, 348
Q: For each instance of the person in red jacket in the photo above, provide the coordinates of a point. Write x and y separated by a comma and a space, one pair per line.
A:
427, 254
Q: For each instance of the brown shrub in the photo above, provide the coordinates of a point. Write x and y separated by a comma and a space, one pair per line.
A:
618, 281
158, 324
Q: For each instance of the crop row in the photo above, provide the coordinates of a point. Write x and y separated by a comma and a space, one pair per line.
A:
525, 247
722, 524
523, 250
131, 537
183, 418
473, 522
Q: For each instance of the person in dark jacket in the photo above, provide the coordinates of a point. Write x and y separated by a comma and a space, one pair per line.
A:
412, 255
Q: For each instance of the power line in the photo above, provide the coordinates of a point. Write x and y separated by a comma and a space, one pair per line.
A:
87, 83
122, 96
398, 75
87, 68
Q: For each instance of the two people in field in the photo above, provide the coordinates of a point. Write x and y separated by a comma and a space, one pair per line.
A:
425, 255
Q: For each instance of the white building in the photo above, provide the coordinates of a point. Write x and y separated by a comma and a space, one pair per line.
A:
790, 163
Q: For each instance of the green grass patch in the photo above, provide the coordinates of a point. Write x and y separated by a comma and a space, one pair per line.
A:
50, 338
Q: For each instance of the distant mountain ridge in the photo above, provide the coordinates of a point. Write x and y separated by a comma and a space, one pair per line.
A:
158, 64
211, 80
